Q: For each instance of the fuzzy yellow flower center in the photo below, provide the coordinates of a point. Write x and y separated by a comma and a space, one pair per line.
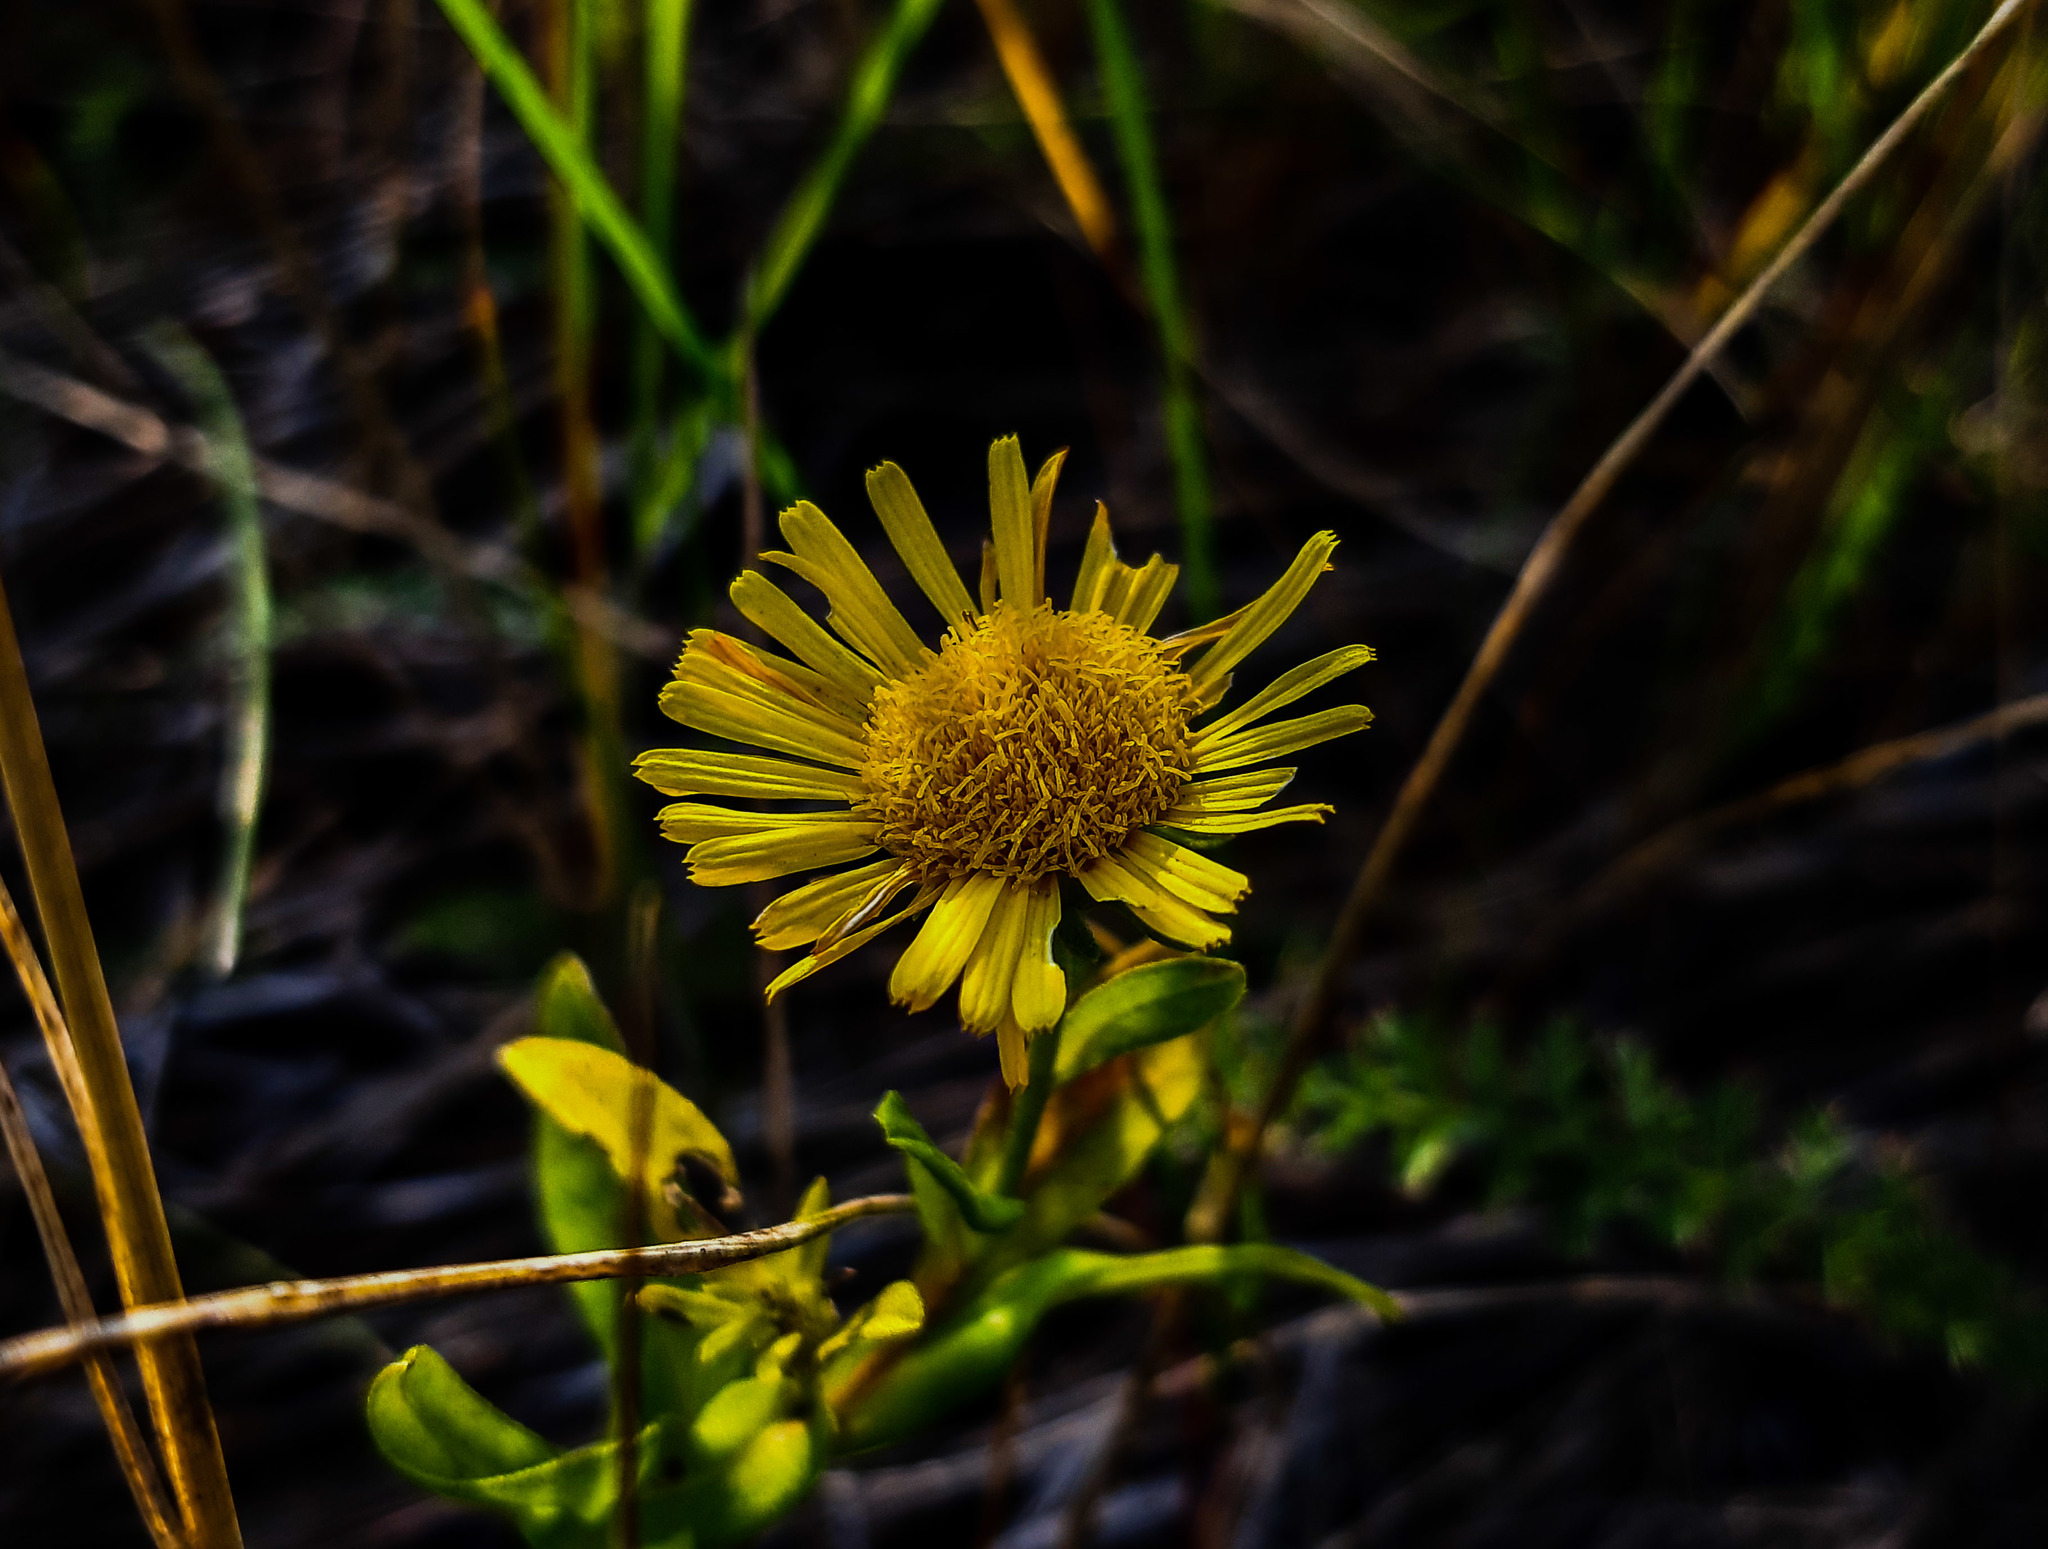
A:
1032, 745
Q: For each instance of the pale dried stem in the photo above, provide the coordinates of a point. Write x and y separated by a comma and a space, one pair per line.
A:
1863, 767
1314, 1021
131, 1450
297, 1301
116, 1145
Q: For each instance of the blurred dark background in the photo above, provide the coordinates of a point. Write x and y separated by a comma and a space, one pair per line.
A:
1435, 254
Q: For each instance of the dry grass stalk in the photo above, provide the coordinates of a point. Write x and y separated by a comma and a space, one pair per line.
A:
1038, 95
297, 1301
107, 1115
131, 1450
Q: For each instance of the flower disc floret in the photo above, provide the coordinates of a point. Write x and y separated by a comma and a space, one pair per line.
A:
1036, 742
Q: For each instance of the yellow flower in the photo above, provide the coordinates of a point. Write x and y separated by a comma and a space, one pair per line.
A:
1033, 744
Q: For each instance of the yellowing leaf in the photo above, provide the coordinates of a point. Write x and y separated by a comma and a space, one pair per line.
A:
592, 1091
898, 1311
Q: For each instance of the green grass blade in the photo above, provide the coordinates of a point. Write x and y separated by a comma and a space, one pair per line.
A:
232, 467
666, 41
803, 217
1123, 83
596, 202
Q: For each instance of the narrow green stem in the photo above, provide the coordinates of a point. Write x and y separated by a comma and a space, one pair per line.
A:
232, 467
666, 40
1123, 84
1027, 1110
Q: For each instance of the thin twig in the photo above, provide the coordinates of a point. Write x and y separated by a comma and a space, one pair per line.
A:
1670, 846
323, 499
1317, 1015
298, 1301
130, 1448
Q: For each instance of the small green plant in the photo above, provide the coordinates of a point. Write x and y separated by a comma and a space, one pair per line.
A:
1599, 1138
751, 1378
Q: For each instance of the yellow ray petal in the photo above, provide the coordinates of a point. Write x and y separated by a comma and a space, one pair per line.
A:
687, 822
785, 727
932, 962
848, 615
1097, 556
803, 914
1041, 513
991, 975
805, 966
1232, 793
988, 588
1158, 910
772, 610
852, 588
878, 898
1146, 594
1185, 873
911, 531
1282, 737
1013, 1047
777, 673
1107, 585
689, 772
1201, 634
1263, 616
1245, 822
777, 853
1039, 996
1009, 509
1284, 690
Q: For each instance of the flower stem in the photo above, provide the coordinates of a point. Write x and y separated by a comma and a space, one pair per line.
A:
1026, 1112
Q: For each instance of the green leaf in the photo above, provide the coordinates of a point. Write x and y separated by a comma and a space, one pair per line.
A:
437, 1431
738, 1413
566, 1005
1145, 1006
429, 1422
974, 1348
582, 1202
982, 1211
766, 1480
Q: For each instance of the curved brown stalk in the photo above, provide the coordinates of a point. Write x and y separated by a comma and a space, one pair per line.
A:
1665, 849
1316, 1018
297, 1301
